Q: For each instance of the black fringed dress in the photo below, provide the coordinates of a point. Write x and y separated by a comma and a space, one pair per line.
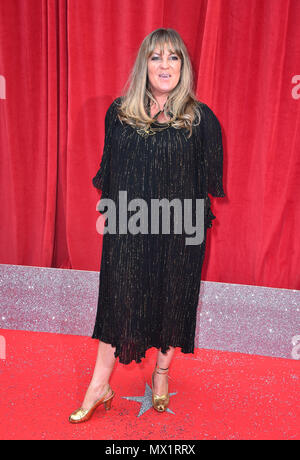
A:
149, 283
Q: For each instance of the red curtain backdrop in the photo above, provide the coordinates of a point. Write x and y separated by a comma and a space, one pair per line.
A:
62, 62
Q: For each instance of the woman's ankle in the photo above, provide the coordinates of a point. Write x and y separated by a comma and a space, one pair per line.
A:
99, 386
161, 369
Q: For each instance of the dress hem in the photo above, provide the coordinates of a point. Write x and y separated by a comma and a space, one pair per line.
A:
164, 349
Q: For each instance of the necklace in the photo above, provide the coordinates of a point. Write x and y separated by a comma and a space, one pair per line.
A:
155, 126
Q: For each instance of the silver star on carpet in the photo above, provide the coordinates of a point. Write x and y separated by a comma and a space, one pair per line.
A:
146, 400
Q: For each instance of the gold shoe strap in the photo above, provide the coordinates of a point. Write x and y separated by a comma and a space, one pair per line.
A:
108, 390
163, 369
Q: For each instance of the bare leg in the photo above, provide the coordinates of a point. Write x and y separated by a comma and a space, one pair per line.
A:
161, 380
103, 368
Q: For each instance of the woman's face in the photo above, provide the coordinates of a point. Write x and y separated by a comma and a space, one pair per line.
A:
163, 70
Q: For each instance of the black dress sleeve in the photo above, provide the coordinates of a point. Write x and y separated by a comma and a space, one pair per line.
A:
213, 152
101, 180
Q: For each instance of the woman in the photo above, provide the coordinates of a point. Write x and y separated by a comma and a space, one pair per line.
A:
160, 143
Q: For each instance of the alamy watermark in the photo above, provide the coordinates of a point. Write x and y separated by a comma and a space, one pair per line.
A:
177, 211
296, 347
2, 87
2, 347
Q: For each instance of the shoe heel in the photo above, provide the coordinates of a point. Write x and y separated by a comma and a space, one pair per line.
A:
107, 404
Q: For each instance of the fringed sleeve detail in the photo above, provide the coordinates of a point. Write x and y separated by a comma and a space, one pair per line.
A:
209, 214
101, 179
213, 151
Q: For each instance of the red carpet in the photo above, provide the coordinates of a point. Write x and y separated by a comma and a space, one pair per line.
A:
220, 395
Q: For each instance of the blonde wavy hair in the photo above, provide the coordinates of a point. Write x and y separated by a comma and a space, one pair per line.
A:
136, 95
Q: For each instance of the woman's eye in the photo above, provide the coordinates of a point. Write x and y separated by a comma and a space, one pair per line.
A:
173, 58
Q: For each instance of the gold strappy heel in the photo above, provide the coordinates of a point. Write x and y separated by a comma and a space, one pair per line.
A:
83, 415
160, 402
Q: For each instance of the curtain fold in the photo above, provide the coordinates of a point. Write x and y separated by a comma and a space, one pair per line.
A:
54, 250
62, 62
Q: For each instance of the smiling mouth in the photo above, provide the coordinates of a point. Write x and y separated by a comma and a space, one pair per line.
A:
165, 76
